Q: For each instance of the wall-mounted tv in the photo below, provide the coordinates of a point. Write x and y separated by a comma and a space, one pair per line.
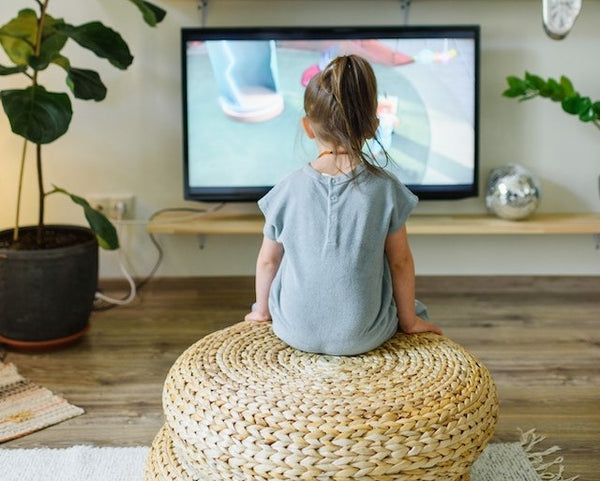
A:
243, 95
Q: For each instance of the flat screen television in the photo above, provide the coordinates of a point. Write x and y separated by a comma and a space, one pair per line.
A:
243, 100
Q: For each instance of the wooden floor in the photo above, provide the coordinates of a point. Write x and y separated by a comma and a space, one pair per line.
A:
540, 338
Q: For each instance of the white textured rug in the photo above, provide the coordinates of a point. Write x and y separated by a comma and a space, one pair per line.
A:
499, 462
79, 463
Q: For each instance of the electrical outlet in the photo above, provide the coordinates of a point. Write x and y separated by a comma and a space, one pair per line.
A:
114, 206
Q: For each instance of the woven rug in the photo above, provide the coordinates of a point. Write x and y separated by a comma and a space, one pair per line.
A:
26, 407
517, 461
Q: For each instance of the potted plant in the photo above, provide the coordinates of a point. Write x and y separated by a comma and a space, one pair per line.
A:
49, 273
562, 90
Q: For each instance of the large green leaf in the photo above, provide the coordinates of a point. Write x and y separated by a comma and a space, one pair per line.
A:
51, 47
17, 37
86, 84
102, 40
36, 114
152, 14
53, 41
105, 232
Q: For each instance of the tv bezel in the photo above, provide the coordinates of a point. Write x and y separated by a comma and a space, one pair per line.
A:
253, 193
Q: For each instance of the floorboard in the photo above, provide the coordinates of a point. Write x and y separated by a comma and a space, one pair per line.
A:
539, 337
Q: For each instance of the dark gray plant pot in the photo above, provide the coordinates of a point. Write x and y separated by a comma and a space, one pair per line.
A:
46, 295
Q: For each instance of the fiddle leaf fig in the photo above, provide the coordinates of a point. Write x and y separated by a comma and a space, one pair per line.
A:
53, 41
36, 114
105, 232
102, 40
17, 37
151, 13
12, 70
41, 116
38, 63
86, 84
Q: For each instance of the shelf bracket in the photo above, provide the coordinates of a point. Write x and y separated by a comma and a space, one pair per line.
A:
405, 7
203, 9
597, 240
201, 241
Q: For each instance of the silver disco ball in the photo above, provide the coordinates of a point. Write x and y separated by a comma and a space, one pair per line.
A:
512, 192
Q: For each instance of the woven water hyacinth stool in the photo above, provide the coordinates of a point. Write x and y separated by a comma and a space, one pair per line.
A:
242, 405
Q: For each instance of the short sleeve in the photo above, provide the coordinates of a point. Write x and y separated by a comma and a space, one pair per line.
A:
404, 201
271, 206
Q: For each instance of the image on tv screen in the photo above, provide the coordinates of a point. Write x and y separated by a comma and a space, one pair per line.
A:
244, 102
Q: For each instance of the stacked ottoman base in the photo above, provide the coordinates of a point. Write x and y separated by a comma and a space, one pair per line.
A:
241, 405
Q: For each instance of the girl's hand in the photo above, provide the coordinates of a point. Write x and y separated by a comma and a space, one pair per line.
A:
256, 316
421, 325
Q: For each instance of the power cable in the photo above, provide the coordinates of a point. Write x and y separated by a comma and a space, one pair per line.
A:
103, 302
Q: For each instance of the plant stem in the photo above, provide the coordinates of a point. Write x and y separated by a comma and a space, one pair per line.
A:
19, 191
38, 46
40, 229
38, 40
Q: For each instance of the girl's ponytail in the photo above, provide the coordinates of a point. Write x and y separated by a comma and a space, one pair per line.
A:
341, 104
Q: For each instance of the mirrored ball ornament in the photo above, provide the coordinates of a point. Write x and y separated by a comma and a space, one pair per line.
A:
512, 192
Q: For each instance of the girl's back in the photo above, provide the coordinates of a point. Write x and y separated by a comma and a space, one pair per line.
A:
333, 291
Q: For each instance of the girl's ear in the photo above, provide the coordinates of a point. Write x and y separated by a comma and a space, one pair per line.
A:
307, 128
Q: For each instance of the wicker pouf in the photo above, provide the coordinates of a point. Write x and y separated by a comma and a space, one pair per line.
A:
241, 405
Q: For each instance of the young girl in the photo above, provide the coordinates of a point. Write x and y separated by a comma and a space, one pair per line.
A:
335, 272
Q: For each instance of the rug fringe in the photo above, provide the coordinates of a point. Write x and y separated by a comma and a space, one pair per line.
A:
528, 440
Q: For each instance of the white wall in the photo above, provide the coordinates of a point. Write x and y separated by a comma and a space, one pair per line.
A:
131, 142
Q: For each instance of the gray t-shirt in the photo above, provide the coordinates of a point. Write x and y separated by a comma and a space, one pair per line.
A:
333, 291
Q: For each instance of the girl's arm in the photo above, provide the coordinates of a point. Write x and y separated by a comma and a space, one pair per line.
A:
402, 268
267, 264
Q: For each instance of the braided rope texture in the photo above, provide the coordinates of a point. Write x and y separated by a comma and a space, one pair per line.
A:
241, 405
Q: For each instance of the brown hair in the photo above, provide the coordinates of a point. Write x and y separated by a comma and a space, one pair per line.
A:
341, 105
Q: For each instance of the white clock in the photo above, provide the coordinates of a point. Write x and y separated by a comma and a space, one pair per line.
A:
559, 16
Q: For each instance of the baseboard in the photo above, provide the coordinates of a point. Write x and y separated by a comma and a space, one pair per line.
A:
430, 284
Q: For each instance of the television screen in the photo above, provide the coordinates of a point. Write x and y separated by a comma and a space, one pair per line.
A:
243, 100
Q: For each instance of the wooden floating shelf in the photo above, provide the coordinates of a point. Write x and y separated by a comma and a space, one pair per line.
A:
467, 224
488, 224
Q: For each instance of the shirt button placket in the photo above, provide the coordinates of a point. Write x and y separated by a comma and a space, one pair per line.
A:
333, 214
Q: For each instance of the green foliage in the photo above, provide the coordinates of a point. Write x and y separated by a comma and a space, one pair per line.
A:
19, 39
106, 234
562, 91
33, 41
36, 114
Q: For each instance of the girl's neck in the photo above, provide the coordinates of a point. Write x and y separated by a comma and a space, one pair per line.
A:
331, 162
